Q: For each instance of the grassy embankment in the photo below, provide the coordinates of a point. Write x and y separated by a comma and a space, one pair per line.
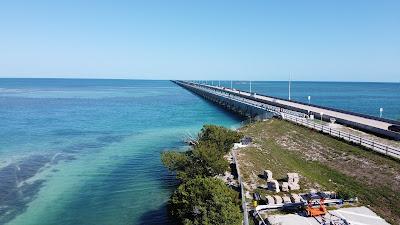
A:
323, 163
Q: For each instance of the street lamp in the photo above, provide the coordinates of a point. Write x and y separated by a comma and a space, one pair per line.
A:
290, 81
309, 99
380, 112
321, 115
250, 86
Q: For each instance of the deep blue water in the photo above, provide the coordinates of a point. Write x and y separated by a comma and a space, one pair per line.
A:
361, 97
87, 151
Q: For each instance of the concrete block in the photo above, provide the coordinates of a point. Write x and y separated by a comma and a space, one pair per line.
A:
278, 199
268, 175
293, 177
270, 200
295, 198
285, 186
294, 186
286, 199
273, 185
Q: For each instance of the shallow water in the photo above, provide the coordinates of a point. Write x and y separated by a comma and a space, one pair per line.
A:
87, 151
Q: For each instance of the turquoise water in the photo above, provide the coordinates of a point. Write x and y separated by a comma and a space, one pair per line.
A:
87, 151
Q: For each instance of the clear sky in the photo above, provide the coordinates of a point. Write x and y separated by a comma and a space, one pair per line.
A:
349, 40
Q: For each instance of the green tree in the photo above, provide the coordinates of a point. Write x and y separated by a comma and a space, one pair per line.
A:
175, 161
203, 161
205, 201
206, 161
222, 137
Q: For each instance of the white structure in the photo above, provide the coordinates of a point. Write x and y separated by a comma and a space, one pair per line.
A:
268, 175
286, 199
295, 198
293, 181
285, 186
270, 200
278, 199
355, 215
273, 185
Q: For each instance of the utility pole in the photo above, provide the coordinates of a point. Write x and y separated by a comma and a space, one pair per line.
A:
380, 112
231, 84
290, 80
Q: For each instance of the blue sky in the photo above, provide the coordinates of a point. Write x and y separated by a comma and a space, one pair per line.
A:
356, 40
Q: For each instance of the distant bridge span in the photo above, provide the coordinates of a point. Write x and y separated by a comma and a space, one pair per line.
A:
371, 124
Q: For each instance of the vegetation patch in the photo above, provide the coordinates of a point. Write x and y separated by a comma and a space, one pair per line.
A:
323, 162
201, 198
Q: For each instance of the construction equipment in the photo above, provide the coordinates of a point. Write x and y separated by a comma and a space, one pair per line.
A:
316, 211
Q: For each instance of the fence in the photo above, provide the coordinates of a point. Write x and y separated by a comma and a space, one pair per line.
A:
373, 145
299, 119
242, 193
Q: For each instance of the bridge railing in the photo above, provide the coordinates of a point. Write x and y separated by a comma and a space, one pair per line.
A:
299, 119
368, 143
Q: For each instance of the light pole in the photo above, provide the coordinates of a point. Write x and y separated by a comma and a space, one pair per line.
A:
380, 112
290, 81
321, 115
231, 84
250, 86
309, 99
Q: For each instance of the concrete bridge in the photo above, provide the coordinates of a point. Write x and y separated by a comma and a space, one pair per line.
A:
251, 104
371, 124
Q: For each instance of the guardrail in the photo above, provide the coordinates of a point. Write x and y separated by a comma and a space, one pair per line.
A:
377, 126
373, 145
297, 118
265, 106
242, 193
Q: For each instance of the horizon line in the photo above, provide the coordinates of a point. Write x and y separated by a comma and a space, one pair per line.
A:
104, 78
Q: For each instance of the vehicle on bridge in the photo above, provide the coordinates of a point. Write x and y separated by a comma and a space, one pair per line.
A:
395, 128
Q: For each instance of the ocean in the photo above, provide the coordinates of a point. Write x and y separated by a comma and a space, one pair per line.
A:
77, 151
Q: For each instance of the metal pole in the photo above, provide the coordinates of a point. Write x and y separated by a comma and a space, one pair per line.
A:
231, 84
250, 86
309, 99
290, 80
380, 112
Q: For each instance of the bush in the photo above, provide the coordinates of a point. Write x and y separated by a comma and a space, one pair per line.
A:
203, 161
205, 201
222, 137
201, 199
207, 161
175, 161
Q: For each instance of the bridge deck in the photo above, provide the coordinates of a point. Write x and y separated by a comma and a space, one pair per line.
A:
330, 113
367, 123
291, 111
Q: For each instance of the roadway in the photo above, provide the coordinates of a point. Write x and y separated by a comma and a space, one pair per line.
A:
325, 112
